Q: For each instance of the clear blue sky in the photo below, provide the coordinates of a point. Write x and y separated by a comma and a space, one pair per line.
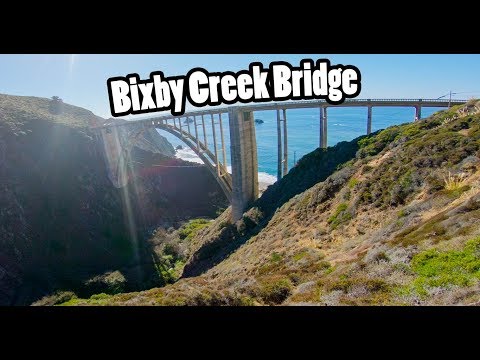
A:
81, 79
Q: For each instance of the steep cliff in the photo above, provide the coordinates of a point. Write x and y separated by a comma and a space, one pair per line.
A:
62, 221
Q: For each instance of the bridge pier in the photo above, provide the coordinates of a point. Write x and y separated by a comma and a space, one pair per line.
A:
279, 147
285, 143
215, 145
369, 121
224, 153
180, 126
204, 134
323, 127
418, 112
282, 157
196, 133
243, 149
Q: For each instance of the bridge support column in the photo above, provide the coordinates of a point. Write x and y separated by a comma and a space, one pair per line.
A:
196, 133
323, 127
243, 149
180, 126
215, 145
282, 156
224, 153
285, 143
279, 146
369, 121
204, 134
418, 112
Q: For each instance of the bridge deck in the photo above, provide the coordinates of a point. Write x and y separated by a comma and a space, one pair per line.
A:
302, 105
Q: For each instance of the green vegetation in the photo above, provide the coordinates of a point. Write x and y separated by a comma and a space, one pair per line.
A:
72, 302
443, 269
340, 216
188, 231
352, 183
455, 193
169, 269
300, 255
275, 257
169, 262
305, 200
372, 145
96, 299
276, 290
58, 297
112, 282
455, 185
454, 182
433, 228
345, 284
358, 290
100, 296
403, 173
171, 256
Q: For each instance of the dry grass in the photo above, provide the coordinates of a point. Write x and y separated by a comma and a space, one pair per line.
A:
455, 182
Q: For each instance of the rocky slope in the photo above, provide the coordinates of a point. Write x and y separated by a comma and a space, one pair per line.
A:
61, 220
387, 219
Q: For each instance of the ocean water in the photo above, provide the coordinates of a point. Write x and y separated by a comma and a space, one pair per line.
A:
344, 124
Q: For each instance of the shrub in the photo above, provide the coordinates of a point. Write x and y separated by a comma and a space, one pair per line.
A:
405, 186
188, 231
223, 225
352, 182
442, 269
275, 257
276, 291
169, 269
56, 105
454, 182
300, 255
374, 144
366, 169
112, 282
101, 296
339, 216
381, 256
57, 298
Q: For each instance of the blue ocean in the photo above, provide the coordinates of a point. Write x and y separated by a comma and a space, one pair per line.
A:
344, 124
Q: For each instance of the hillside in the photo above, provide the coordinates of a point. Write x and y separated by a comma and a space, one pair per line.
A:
387, 219
61, 220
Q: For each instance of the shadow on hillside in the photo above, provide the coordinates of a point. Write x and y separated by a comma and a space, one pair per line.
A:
313, 168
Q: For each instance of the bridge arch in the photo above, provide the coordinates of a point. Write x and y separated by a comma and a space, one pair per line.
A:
220, 174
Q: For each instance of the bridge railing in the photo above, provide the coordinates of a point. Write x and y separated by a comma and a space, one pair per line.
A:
286, 104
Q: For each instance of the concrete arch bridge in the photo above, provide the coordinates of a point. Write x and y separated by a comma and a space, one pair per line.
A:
241, 186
